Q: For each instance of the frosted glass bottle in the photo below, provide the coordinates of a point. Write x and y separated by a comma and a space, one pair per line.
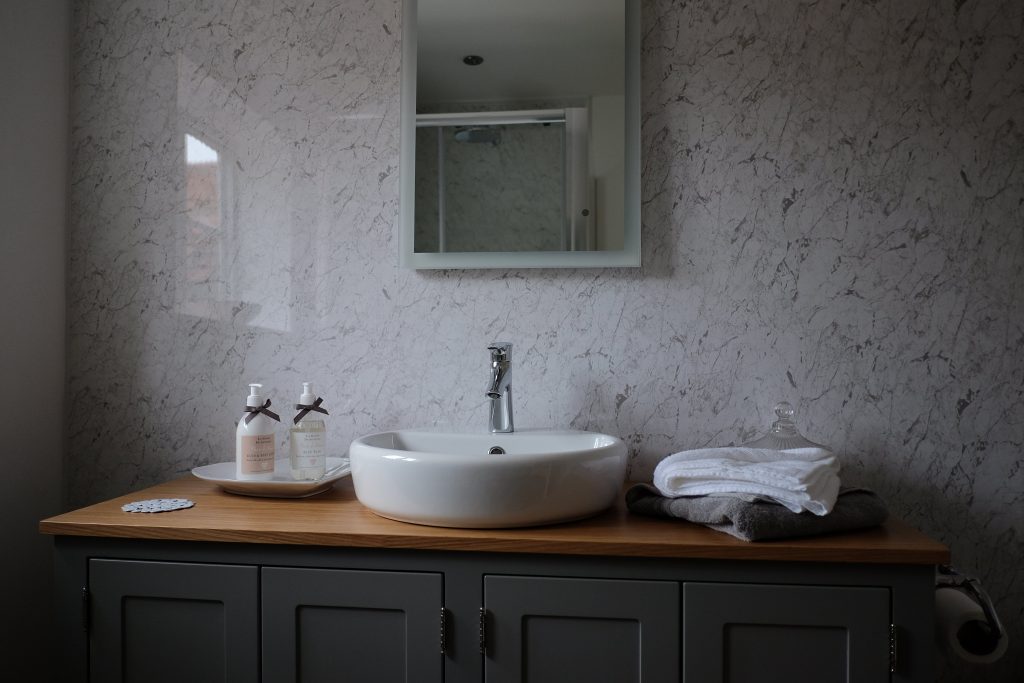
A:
308, 438
255, 445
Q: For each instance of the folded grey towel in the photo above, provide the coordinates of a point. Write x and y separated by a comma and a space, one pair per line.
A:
855, 509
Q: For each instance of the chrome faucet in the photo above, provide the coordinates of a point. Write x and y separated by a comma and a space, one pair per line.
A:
500, 388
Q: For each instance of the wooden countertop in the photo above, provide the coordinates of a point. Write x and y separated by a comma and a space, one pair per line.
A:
336, 518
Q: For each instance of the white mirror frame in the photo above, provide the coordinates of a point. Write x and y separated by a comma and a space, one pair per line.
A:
630, 254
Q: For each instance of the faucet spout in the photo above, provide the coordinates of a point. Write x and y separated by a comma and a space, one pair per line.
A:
499, 390
499, 379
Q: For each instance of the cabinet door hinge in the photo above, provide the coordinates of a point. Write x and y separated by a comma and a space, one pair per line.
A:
444, 630
483, 630
85, 608
892, 648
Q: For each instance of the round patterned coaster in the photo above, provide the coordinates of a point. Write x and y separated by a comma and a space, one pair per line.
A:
158, 505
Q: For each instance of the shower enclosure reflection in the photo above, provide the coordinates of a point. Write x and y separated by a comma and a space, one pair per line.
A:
504, 181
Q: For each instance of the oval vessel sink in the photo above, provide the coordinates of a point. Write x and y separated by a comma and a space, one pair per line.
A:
451, 478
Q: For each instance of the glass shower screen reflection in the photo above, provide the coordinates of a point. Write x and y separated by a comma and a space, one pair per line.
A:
502, 182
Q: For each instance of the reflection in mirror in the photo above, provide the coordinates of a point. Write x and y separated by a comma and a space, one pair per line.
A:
520, 133
507, 181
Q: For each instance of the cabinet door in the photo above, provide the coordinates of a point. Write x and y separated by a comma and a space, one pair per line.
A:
167, 621
750, 633
340, 625
553, 630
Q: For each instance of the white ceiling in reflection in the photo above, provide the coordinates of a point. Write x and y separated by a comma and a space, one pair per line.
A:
532, 49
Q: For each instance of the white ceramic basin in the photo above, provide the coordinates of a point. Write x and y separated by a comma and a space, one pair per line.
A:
450, 479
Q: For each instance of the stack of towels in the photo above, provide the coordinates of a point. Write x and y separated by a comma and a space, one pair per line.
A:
756, 493
797, 478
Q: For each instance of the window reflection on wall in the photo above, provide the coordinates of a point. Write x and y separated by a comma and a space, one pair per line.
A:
205, 209
202, 182
240, 196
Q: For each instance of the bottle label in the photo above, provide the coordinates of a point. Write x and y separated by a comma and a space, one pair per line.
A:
308, 449
258, 454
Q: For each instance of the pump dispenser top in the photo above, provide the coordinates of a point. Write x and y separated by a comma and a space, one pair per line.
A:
307, 396
255, 399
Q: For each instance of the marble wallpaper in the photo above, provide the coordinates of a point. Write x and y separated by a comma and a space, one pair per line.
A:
833, 214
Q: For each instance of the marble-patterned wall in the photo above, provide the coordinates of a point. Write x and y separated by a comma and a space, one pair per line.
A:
833, 202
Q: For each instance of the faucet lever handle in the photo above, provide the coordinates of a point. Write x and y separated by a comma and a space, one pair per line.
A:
500, 351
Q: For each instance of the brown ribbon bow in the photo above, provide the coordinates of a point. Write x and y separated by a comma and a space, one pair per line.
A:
255, 410
305, 410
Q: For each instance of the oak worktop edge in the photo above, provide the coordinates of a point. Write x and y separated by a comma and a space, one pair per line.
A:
337, 519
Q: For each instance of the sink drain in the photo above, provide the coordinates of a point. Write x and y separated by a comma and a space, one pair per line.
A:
495, 450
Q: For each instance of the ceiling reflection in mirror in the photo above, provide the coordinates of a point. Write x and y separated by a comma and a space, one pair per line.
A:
521, 129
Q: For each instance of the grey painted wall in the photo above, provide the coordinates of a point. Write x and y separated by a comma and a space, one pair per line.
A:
833, 201
33, 175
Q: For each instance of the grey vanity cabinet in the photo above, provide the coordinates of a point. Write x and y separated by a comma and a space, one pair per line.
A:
170, 622
545, 630
247, 590
178, 621
748, 633
325, 625
162, 611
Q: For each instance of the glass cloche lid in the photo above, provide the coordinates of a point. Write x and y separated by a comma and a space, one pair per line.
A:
783, 433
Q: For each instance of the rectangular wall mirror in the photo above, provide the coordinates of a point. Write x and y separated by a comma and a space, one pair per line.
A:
520, 134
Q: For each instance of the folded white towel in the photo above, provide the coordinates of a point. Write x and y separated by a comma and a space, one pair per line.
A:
798, 478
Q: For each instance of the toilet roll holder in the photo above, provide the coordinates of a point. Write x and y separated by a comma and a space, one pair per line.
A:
992, 629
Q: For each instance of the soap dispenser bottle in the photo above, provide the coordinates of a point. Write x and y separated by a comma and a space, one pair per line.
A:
254, 439
308, 437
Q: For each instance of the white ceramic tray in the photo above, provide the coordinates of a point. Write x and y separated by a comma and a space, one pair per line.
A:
281, 486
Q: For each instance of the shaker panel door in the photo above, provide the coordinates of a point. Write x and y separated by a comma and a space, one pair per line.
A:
779, 634
323, 625
552, 630
157, 622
